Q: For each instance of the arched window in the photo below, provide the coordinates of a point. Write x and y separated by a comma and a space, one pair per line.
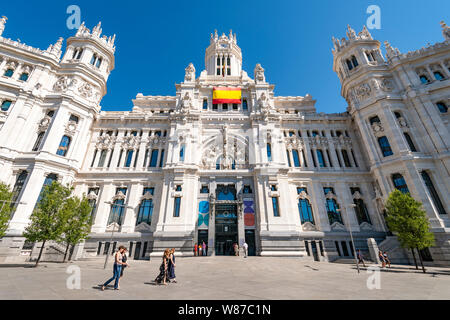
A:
385, 146
361, 211
442, 107
5, 105
63, 146
74, 118
94, 57
269, 152
296, 158
332, 208
372, 120
349, 64
117, 208
154, 158
37, 144
18, 187
128, 158
424, 79
354, 61
24, 76
400, 183
433, 193
101, 161
48, 181
320, 158
145, 212
98, 63
304, 208
438, 75
9, 73
410, 142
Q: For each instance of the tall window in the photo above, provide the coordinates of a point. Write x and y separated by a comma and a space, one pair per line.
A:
182, 149
176, 206
433, 193
145, 208
320, 158
93, 202
304, 208
5, 105
410, 142
101, 161
424, 79
276, 211
37, 144
154, 158
24, 76
48, 181
438, 75
161, 160
442, 107
332, 208
117, 208
205, 104
128, 158
400, 183
244, 104
385, 146
296, 158
354, 158
18, 187
361, 210
269, 152
313, 158
346, 158
63, 146
329, 158
304, 158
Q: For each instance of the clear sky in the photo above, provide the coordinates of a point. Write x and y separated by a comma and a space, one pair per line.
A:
156, 40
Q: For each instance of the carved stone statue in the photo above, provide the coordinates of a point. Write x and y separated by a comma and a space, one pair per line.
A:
2, 24
445, 31
189, 73
259, 74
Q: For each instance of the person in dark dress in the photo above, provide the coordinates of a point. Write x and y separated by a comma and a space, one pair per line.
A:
171, 272
163, 268
124, 260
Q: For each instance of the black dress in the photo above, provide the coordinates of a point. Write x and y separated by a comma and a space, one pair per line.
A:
171, 268
124, 260
162, 272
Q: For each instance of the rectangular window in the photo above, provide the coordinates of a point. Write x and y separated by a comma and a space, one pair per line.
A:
147, 151
225, 106
93, 159
176, 207
154, 158
128, 158
101, 161
296, 159
182, 153
346, 158
276, 212
5, 105
244, 105
321, 159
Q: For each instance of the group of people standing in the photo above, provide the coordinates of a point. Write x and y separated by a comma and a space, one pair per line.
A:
200, 249
167, 268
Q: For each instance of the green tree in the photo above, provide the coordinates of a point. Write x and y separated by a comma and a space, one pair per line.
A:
77, 217
407, 219
5, 208
48, 218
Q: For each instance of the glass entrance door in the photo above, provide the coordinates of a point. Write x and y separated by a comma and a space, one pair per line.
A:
226, 229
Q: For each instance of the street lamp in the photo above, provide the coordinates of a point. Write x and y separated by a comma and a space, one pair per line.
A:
352, 205
114, 226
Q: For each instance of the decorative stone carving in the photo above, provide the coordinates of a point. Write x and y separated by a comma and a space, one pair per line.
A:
44, 123
2, 24
336, 226
366, 226
61, 84
363, 91
402, 122
105, 142
142, 227
308, 226
377, 128
71, 127
86, 90
113, 227
189, 73
386, 85
259, 74
130, 142
445, 30
119, 196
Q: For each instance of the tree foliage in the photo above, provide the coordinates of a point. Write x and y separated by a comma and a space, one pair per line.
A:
5, 207
48, 219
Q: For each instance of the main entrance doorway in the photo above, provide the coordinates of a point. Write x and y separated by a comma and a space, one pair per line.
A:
226, 229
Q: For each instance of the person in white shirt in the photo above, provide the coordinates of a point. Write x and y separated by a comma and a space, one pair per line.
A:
245, 246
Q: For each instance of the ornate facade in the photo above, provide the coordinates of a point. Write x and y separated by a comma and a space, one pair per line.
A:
271, 171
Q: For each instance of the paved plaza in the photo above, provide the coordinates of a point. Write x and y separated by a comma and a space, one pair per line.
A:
229, 278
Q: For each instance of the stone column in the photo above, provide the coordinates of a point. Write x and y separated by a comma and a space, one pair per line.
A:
318, 205
240, 212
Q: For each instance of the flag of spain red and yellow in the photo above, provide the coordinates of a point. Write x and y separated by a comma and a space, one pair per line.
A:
226, 95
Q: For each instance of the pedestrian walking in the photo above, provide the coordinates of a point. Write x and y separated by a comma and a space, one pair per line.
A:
245, 246
124, 260
195, 250
204, 248
236, 249
163, 268
360, 258
200, 250
171, 266
381, 257
117, 269
386, 259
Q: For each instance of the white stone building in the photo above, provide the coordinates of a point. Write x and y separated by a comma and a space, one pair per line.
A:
269, 170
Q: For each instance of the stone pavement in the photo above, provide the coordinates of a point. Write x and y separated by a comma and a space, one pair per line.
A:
229, 278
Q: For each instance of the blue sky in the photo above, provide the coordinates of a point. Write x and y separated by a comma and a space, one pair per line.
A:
156, 40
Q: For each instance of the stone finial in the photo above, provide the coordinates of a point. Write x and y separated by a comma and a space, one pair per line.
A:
2, 24
445, 30
365, 34
97, 31
259, 74
351, 34
216, 36
390, 51
189, 73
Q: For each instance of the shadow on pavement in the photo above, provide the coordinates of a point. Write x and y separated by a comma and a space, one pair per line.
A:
17, 265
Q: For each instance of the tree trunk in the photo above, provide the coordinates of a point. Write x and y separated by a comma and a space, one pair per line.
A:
414, 256
421, 263
65, 253
71, 252
40, 253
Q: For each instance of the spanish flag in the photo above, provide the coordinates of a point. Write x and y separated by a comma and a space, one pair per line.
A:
226, 95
